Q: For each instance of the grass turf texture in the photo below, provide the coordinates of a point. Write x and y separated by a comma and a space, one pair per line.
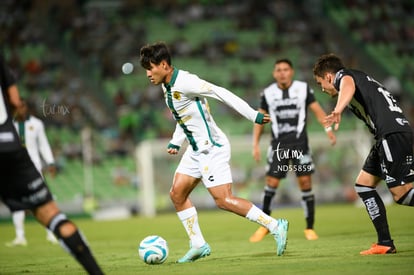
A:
343, 230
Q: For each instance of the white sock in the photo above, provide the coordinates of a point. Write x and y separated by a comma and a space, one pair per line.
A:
258, 216
18, 221
189, 219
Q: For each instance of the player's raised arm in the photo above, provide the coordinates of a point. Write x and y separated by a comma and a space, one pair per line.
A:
320, 116
233, 101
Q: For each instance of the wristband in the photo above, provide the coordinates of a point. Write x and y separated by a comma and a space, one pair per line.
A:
259, 118
173, 146
328, 129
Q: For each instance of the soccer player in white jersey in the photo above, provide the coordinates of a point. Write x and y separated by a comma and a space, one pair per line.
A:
287, 101
207, 157
32, 135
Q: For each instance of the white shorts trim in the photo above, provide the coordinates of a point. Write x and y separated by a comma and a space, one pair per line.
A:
387, 150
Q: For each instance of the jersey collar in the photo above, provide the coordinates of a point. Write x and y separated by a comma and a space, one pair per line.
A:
173, 78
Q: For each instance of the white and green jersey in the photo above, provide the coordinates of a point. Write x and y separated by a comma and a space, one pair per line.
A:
185, 96
33, 136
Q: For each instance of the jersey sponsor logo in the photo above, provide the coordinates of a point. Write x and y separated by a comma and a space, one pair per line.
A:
286, 128
389, 179
286, 102
402, 121
287, 114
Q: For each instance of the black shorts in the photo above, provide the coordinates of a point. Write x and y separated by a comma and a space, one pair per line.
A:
391, 159
282, 159
21, 185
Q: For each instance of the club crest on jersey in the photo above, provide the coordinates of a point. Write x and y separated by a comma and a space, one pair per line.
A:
177, 95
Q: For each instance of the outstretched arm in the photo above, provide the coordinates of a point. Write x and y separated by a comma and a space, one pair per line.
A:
345, 94
233, 101
320, 116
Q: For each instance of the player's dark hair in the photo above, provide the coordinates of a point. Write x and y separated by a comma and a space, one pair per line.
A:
327, 63
155, 54
284, 60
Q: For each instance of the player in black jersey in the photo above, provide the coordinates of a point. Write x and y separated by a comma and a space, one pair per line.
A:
287, 101
390, 158
21, 185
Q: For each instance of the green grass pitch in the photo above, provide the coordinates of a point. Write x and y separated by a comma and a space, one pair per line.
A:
344, 230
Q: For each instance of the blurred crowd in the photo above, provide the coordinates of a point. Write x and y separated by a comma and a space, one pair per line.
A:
384, 22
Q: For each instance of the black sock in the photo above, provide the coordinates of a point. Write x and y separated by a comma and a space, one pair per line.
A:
377, 212
308, 203
75, 245
78, 247
269, 193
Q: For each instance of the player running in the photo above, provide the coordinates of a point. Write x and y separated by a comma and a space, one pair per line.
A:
390, 158
208, 155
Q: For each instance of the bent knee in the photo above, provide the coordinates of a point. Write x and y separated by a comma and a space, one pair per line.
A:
61, 226
176, 197
406, 198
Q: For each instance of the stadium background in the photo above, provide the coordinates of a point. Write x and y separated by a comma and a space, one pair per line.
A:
68, 57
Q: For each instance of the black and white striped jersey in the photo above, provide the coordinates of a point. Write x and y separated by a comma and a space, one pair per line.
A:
288, 111
374, 105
